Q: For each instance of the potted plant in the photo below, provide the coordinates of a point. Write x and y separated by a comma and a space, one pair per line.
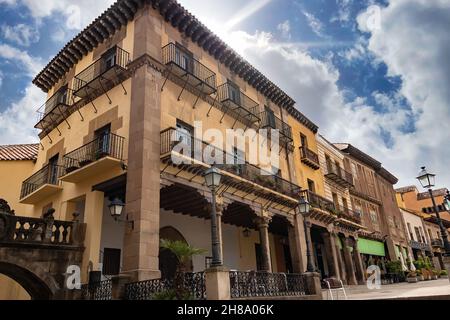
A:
444, 274
412, 277
436, 274
419, 275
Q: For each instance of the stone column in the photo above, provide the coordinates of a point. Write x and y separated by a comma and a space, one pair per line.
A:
262, 224
141, 245
217, 282
360, 272
330, 246
351, 277
219, 213
297, 244
341, 264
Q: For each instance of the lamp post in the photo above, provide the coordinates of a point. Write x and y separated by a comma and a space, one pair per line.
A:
116, 208
427, 180
304, 208
212, 179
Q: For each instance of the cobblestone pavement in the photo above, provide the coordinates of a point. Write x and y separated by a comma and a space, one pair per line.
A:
437, 289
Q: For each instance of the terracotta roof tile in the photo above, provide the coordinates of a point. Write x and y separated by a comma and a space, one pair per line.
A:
19, 152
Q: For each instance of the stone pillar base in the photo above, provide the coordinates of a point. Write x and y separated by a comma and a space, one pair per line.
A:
446, 260
118, 286
218, 283
313, 286
141, 275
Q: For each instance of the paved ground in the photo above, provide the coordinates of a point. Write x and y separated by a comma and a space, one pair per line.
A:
437, 289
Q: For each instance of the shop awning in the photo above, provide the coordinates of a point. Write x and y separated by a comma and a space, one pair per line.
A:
372, 247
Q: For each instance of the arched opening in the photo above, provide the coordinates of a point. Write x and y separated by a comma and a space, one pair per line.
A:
12, 290
33, 285
168, 262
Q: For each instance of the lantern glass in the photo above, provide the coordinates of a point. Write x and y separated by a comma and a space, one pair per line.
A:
427, 180
212, 178
304, 206
116, 208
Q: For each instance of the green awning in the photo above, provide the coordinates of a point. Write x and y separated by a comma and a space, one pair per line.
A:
375, 248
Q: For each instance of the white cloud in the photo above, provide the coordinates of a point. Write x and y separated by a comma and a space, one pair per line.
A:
21, 34
1, 78
357, 52
31, 65
315, 24
285, 29
344, 11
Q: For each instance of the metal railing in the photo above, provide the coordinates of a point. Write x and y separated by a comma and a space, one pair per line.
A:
332, 169
437, 243
317, 201
57, 103
225, 96
172, 137
271, 121
419, 245
99, 67
171, 53
108, 145
97, 291
266, 284
350, 215
192, 283
49, 174
309, 155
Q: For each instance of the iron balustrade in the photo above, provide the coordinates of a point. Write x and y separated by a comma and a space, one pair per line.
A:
350, 215
171, 137
239, 101
419, 245
172, 54
100, 291
317, 201
437, 243
120, 59
55, 107
192, 282
108, 145
338, 174
265, 284
269, 120
309, 156
49, 174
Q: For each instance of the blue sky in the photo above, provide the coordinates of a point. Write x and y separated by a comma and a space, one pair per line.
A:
372, 73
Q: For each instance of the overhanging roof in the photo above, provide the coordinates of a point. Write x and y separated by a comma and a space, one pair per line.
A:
123, 11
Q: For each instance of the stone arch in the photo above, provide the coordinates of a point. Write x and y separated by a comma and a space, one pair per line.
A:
167, 261
37, 287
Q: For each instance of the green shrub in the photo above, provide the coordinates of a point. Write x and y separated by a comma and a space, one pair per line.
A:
171, 295
394, 267
444, 273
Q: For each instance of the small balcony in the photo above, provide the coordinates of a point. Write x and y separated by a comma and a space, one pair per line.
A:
55, 110
318, 202
188, 69
237, 104
350, 215
310, 158
250, 173
98, 156
269, 120
419, 245
338, 175
437, 243
103, 74
42, 184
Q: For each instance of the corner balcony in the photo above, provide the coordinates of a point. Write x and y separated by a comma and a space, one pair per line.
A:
270, 121
419, 245
102, 75
309, 158
41, 185
241, 107
437, 243
98, 156
338, 175
245, 177
55, 110
190, 71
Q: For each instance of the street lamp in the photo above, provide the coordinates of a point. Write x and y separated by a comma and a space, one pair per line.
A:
212, 179
427, 180
304, 207
116, 208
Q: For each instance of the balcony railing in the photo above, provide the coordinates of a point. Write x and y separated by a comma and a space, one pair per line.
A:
196, 73
268, 120
172, 137
108, 145
319, 202
437, 243
337, 174
100, 74
310, 158
238, 104
350, 215
55, 109
47, 175
419, 245
97, 291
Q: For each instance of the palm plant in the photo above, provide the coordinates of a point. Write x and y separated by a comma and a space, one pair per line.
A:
183, 252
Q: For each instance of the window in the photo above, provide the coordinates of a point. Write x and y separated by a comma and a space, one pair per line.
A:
239, 160
336, 201
185, 134
328, 161
357, 207
411, 236
338, 168
311, 186
102, 136
304, 141
270, 117
234, 92
418, 236
345, 204
373, 216
53, 169
111, 262
430, 234
422, 234
109, 58
183, 58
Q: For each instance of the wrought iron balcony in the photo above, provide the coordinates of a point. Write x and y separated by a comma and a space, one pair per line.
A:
189, 69
319, 202
55, 110
269, 120
419, 245
310, 158
42, 184
338, 175
100, 155
171, 138
238, 104
437, 243
350, 215
103, 74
